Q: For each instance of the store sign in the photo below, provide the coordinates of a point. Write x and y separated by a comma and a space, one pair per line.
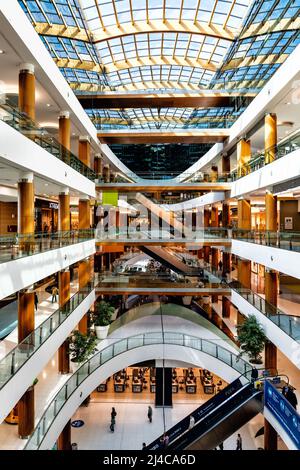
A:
283, 412
288, 223
77, 423
53, 205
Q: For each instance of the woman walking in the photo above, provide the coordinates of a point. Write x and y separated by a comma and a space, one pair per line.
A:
113, 415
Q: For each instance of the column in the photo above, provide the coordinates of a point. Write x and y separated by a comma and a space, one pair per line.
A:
98, 165
64, 129
27, 90
270, 137
271, 211
225, 165
206, 249
84, 273
163, 387
84, 216
243, 156
84, 150
214, 174
226, 269
214, 219
64, 439
64, 211
106, 174
225, 214
64, 296
270, 435
214, 263
25, 327
26, 204
244, 223
244, 272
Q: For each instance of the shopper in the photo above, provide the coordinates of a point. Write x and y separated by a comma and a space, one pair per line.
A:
113, 415
36, 300
54, 292
220, 264
254, 374
221, 446
291, 397
285, 389
239, 442
144, 446
192, 422
166, 440
150, 413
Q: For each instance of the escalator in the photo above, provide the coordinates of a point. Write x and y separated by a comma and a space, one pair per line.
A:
216, 420
170, 260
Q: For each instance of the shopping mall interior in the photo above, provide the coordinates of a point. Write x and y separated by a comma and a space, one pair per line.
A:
150, 225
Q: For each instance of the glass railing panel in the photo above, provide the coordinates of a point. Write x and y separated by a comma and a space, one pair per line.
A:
23, 124
209, 348
120, 347
173, 338
224, 355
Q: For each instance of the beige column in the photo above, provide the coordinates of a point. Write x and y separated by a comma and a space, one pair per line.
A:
84, 150
64, 129
270, 137
27, 90
243, 156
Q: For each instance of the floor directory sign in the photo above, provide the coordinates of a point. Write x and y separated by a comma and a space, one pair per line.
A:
282, 410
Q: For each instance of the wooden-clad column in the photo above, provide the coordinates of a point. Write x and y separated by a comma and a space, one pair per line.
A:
244, 272
106, 174
84, 150
84, 268
243, 156
98, 165
225, 214
27, 90
244, 214
214, 174
26, 204
270, 435
64, 439
271, 212
64, 129
225, 165
64, 211
270, 137
26, 413
64, 296
214, 263
84, 217
214, 218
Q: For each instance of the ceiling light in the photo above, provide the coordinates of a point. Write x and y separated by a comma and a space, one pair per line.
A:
288, 103
2, 51
48, 105
46, 184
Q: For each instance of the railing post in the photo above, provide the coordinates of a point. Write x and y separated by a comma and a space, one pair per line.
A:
55, 407
51, 325
41, 334
290, 327
44, 425
77, 379
89, 367
66, 391
38, 436
12, 367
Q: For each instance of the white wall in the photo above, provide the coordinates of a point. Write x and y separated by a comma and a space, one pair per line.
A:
144, 353
284, 261
289, 347
284, 169
23, 153
24, 377
20, 273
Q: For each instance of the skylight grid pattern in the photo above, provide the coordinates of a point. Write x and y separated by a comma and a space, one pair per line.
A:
54, 12
234, 78
74, 49
160, 73
82, 76
272, 10
193, 46
107, 13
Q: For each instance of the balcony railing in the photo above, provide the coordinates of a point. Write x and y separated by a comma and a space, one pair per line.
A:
22, 123
18, 245
110, 352
154, 176
285, 240
17, 357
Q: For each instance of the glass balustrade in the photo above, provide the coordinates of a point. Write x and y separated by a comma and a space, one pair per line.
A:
131, 232
285, 240
22, 123
17, 357
227, 357
15, 246
290, 324
153, 176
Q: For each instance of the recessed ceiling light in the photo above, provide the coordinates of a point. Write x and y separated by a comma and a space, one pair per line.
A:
46, 184
48, 105
288, 103
2, 51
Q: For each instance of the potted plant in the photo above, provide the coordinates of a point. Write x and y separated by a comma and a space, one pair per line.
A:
102, 318
81, 346
252, 339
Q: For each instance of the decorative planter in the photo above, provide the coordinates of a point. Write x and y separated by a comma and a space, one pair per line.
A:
101, 331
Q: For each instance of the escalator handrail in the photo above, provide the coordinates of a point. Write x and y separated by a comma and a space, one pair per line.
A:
207, 414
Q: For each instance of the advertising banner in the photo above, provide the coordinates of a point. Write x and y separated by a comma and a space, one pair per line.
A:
282, 410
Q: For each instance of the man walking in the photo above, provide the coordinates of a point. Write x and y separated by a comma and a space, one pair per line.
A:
239, 442
150, 413
54, 294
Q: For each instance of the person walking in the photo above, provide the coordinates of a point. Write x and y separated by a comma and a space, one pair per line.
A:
54, 292
113, 415
36, 300
254, 374
221, 446
239, 442
220, 264
192, 422
292, 398
166, 440
150, 413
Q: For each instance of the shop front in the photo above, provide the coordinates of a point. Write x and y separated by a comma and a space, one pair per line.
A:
46, 216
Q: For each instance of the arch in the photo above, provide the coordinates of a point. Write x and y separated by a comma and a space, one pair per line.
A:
119, 355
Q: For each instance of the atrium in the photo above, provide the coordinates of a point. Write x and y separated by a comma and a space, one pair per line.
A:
149, 225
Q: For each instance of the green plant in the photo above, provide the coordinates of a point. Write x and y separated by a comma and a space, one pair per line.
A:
252, 339
81, 346
103, 313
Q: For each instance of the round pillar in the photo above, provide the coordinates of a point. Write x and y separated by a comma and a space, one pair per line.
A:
271, 212
84, 222
64, 130
26, 205
64, 212
243, 157
244, 214
64, 296
27, 90
244, 273
270, 137
84, 150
